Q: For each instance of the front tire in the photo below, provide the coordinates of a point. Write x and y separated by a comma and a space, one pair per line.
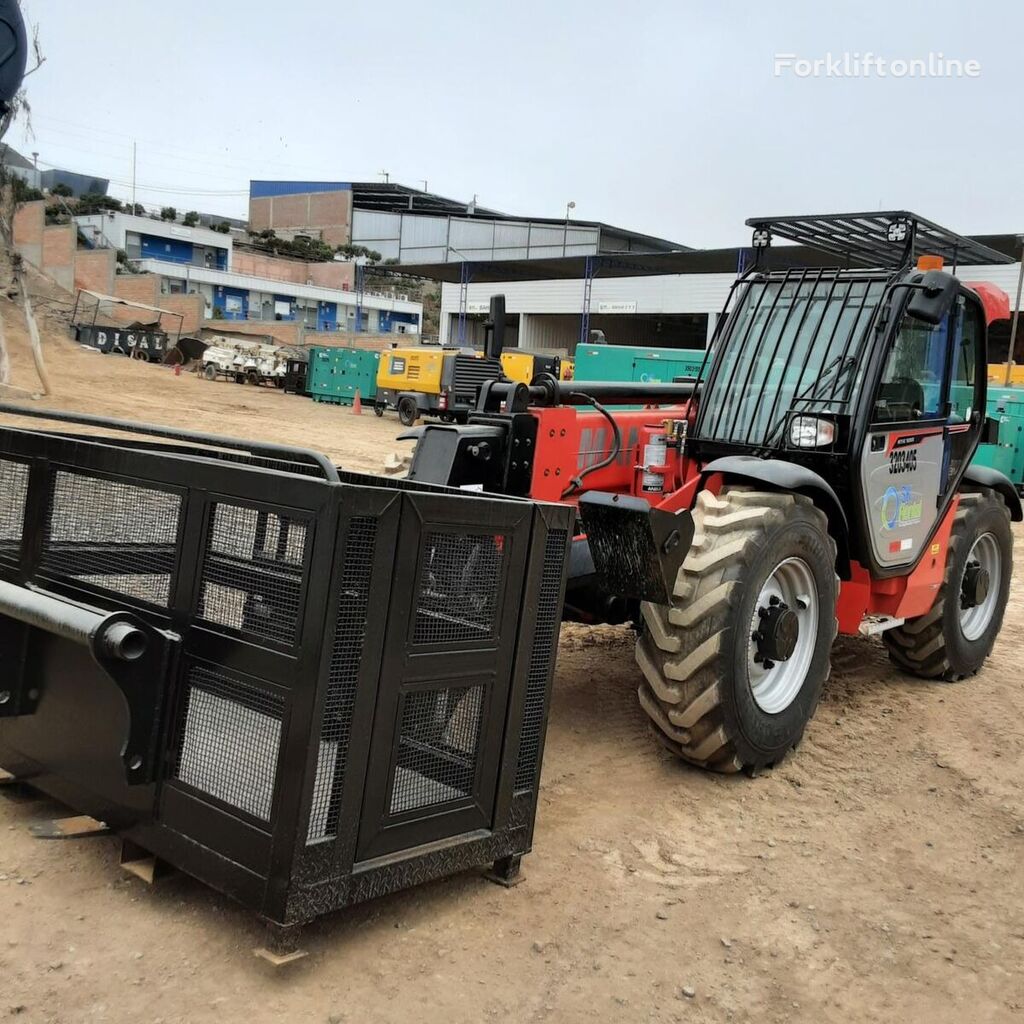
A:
734, 668
952, 641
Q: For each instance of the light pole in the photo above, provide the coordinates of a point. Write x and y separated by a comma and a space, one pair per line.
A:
571, 205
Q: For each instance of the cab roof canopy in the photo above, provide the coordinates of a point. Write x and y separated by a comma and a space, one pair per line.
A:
891, 239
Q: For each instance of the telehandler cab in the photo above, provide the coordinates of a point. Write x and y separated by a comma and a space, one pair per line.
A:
815, 478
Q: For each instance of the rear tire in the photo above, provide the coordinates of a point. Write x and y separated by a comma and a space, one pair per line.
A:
952, 642
712, 703
408, 411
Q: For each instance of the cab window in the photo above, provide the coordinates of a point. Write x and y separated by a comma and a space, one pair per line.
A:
912, 382
966, 346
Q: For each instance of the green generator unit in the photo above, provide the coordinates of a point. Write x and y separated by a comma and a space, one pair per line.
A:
1006, 404
636, 363
336, 374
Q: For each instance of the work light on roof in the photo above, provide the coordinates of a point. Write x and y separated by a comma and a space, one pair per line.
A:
897, 231
762, 238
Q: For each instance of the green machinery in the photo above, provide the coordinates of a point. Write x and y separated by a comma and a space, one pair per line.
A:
336, 374
638, 363
1006, 404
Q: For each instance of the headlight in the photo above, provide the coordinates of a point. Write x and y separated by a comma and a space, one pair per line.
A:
811, 432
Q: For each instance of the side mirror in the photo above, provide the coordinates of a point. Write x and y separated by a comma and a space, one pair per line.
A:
933, 298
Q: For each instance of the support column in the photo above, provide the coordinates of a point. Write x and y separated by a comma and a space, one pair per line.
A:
526, 331
712, 324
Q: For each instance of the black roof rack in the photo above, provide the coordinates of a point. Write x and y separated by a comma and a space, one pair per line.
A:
891, 239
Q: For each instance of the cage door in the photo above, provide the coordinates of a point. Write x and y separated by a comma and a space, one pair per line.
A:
443, 698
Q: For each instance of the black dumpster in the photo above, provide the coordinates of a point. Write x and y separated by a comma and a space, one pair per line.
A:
305, 687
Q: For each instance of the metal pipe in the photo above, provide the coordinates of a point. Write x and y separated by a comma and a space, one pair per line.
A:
79, 625
261, 448
550, 391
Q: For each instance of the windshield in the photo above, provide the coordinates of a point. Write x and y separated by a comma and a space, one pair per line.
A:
791, 343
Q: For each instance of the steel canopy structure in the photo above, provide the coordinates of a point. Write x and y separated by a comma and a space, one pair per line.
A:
885, 239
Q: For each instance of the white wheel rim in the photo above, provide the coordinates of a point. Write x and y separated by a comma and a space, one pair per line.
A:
974, 621
775, 688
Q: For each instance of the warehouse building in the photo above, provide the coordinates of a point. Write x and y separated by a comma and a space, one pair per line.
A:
412, 226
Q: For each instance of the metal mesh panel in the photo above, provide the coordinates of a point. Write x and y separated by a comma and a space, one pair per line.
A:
541, 655
437, 747
117, 536
460, 577
253, 572
13, 492
229, 741
346, 655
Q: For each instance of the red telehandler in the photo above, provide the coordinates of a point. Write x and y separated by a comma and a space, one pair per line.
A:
816, 478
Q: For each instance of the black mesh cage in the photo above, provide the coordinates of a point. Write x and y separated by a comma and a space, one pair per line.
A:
344, 684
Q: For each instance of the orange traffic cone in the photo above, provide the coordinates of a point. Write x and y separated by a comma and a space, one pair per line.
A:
357, 405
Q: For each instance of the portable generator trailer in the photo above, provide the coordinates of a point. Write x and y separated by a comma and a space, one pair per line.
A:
817, 478
426, 380
303, 686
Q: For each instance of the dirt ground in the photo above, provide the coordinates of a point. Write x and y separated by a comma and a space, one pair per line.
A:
876, 875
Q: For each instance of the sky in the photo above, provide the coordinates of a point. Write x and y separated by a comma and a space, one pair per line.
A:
674, 119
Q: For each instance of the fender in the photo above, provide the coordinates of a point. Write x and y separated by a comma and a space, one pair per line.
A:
790, 477
984, 476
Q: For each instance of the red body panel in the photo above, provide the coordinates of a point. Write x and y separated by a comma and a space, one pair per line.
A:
902, 597
570, 439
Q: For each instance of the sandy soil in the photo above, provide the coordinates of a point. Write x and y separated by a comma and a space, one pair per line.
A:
875, 876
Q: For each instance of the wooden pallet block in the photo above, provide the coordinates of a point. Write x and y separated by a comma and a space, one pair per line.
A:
79, 826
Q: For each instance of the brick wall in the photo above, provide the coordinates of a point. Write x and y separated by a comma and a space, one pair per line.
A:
138, 288
95, 270
191, 307
59, 245
259, 214
328, 275
145, 288
29, 222
333, 275
329, 213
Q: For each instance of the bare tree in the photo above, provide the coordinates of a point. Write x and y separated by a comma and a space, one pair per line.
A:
12, 266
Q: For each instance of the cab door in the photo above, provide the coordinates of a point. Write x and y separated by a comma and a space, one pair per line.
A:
925, 422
